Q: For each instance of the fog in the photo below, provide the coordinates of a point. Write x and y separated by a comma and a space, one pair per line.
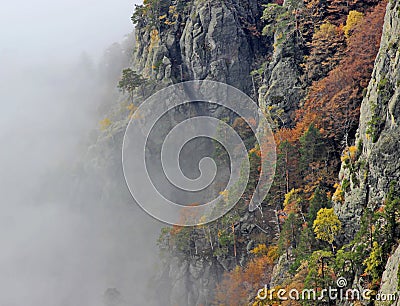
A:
58, 251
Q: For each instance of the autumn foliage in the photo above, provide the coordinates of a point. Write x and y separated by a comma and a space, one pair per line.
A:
343, 48
243, 282
334, 101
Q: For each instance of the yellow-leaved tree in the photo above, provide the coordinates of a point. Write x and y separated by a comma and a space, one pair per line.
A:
374, 262
327, 225
353, 19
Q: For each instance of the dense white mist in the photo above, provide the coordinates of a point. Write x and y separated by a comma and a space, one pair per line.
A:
53, 252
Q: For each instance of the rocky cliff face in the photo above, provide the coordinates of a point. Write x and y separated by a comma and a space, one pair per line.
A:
197, 40
282, 86
222, 41
390, 281
378, 134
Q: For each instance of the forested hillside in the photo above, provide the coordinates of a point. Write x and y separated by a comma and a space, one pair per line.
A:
327, 74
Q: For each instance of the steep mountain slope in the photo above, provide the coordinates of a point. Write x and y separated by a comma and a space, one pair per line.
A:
378, 132
378, 136
212, 40
307, 63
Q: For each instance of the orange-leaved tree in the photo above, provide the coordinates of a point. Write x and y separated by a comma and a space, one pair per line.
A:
336, 99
